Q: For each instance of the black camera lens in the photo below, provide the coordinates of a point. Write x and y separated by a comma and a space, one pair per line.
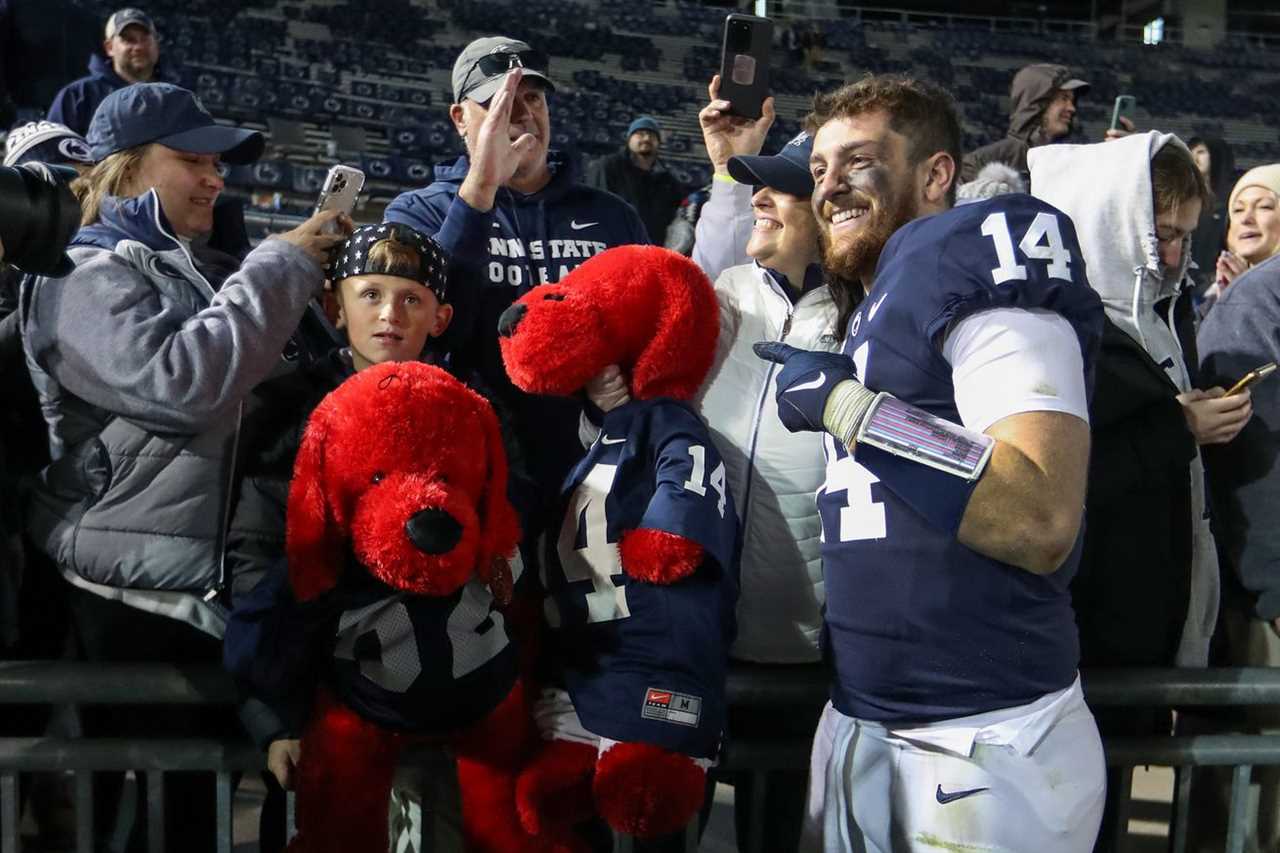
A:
738, 38
38, 217
339, 183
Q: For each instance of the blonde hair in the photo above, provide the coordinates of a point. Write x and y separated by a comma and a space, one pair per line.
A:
108, 177
391, 257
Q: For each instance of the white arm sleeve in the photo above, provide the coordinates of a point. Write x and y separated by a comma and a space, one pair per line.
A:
1011, 360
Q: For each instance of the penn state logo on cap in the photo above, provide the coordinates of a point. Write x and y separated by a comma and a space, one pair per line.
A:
46, 142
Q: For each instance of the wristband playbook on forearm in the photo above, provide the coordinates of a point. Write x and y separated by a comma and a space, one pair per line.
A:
904, 430
906, 448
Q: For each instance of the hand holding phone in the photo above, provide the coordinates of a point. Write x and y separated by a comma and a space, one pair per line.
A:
340, 191
726, 135
1253, 376
744, 64
1123, 108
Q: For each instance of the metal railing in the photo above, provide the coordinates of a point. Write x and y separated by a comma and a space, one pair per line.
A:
58, 682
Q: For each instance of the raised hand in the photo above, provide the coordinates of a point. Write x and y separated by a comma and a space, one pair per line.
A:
494, 155
728, 135
318, 234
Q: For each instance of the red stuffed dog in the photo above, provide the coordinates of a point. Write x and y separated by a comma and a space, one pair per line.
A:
641, 582
398, 504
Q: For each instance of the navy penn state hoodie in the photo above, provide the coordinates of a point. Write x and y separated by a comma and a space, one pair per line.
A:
499, 255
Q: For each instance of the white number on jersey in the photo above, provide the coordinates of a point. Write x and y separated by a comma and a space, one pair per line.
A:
861, 517
398, 665
696, 481
475, 629
598, 559
1044, 227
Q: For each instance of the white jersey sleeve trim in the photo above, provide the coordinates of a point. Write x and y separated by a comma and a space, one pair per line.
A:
1006, 361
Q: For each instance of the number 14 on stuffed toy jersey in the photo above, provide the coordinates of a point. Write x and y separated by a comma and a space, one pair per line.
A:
641, 578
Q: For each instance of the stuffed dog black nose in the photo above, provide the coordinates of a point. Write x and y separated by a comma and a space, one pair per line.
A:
510, 319
433, 531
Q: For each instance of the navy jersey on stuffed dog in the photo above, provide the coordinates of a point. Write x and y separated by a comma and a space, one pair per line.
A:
421, 664
642, 581
643, 661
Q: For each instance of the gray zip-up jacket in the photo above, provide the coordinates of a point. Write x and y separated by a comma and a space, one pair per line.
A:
142, 364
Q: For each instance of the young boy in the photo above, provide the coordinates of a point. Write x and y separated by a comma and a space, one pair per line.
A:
391, 290
391, 286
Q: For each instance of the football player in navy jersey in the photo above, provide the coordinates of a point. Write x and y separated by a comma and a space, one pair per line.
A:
957, 443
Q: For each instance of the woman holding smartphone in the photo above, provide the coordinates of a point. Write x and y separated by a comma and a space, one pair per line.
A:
143, 357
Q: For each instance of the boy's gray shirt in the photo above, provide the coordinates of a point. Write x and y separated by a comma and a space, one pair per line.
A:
142, 365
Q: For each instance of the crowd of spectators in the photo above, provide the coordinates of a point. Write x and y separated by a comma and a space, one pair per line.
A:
158, 381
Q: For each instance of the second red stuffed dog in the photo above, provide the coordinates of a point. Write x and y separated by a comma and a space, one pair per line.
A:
399, 506
641, 580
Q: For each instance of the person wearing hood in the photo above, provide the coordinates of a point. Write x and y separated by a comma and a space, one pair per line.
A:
638, 175
1218, 165
1042, 109
1147, 535
512, 216
130, 54
144, 358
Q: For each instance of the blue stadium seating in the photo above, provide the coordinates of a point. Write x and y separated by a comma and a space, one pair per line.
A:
383, 65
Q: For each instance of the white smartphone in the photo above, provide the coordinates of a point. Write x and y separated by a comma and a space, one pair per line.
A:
341, 189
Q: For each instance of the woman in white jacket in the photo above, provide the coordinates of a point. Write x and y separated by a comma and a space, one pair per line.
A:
778, 294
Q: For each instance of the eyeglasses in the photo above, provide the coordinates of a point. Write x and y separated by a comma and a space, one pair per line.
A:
498, 63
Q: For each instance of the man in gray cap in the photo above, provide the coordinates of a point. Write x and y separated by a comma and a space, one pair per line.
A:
1042, 110
636, 174
512, 216
130, 54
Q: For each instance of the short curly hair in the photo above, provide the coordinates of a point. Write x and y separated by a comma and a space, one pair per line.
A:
922, 112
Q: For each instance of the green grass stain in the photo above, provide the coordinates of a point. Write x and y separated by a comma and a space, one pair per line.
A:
954, 846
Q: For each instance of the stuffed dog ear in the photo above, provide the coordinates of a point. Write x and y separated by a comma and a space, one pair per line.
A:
675, 361
313, 541
499, 525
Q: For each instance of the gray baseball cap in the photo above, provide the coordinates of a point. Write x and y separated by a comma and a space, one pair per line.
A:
480, 69
123, 18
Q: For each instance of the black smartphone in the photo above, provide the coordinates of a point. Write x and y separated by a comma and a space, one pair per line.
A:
1123, 109
744, 64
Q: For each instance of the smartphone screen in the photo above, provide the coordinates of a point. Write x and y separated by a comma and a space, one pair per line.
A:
744, 64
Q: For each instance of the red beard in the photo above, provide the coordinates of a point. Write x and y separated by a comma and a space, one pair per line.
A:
854, 258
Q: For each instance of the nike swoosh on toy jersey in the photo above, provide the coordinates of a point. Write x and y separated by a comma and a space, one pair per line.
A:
944, 797
604, 439
578, 226
817, 383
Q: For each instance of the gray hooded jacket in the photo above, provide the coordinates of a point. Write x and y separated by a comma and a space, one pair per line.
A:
1117, 234
142, 364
